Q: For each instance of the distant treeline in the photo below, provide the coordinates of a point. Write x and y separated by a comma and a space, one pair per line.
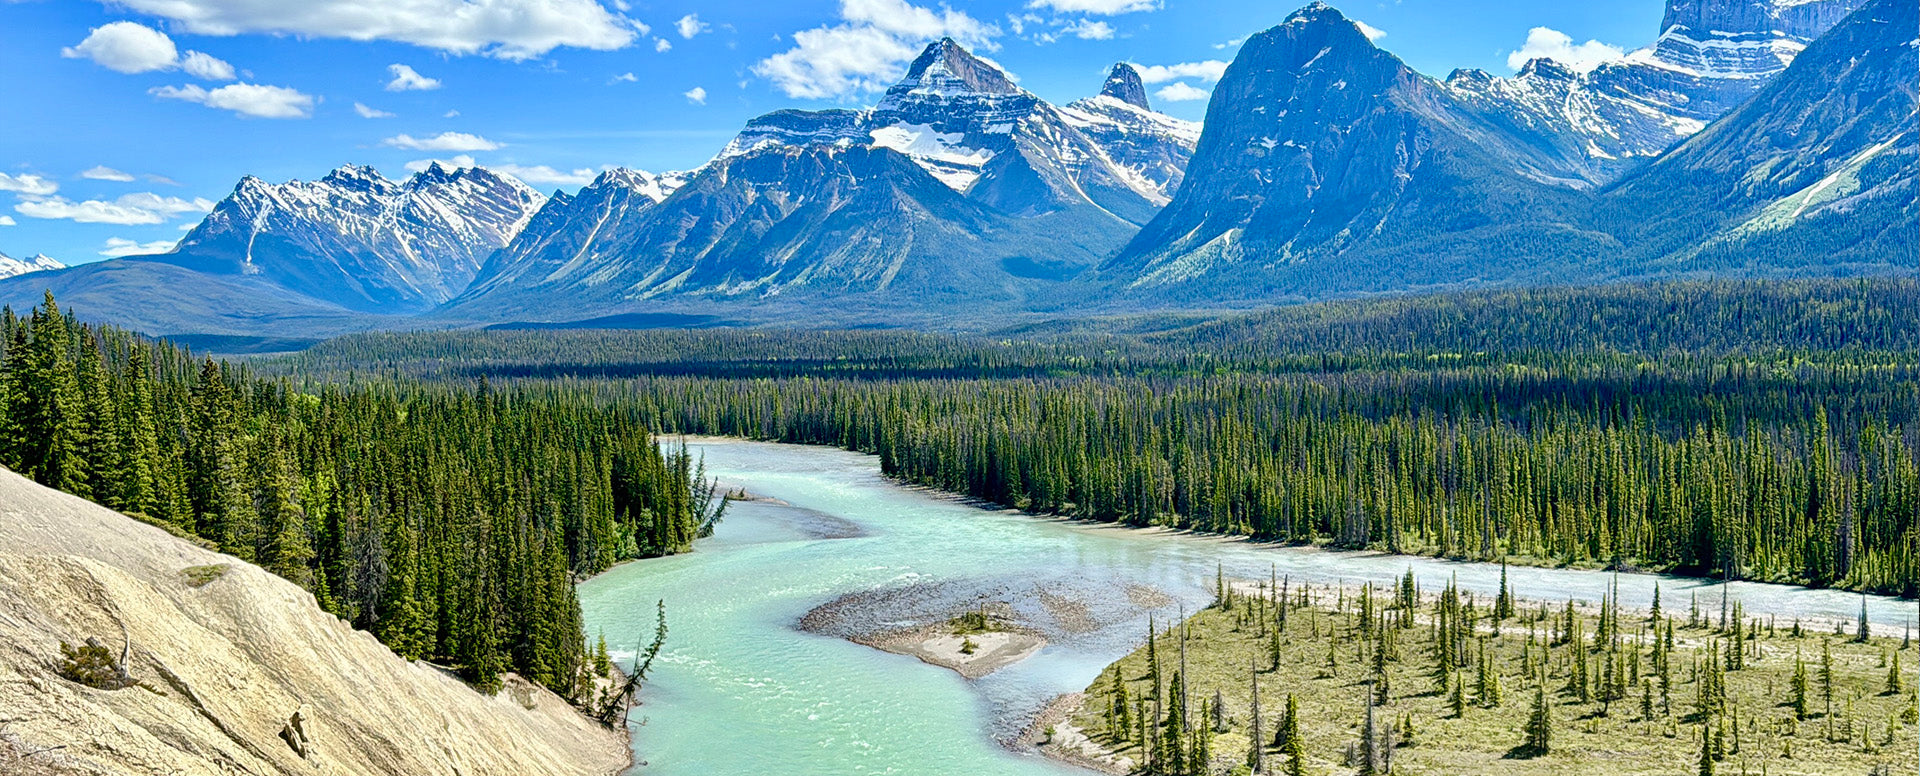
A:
451, 521
1757, 430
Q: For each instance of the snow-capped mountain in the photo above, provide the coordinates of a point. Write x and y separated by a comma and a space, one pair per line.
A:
1820, 170
959, 185
1330, 166
821, 232
570, 231
1711, 56
12, 267
966, 122
1152, 145
359, 240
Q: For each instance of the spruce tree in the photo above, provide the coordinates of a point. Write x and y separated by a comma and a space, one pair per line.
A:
1539, 727
1797, 689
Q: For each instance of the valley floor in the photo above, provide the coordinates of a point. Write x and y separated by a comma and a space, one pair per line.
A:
1472, 718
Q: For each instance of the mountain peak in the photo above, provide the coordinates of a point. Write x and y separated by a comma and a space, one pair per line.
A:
945, 68
1315, 12
1124, 84
1800, 19
356, 175
1542, 67
10, 267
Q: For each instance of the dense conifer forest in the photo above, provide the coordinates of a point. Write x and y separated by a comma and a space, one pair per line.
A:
449, 520
1745, 430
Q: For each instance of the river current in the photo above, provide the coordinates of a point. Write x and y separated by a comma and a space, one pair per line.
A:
742, 690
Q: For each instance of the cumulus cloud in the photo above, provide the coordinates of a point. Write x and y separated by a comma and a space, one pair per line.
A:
623, 78
105, 173
1548, 43
370, 113
126, 47
696, 95
121, 246
257, 100
1181, 91
27, 184
129, 210
662, 45
130, 47
206, 67
867, 50
406, 79
508, 29
1372, 32
445, 141
1088, 29
1208, 71
690, 25
1102, 7
8, 221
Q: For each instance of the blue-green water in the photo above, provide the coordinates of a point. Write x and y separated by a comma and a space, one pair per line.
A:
740, 689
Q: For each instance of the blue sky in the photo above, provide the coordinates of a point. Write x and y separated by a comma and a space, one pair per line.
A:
126, 119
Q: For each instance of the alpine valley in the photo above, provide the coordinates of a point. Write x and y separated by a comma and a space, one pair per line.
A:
1750, 138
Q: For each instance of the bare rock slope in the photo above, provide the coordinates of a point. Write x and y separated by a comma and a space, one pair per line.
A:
225, 658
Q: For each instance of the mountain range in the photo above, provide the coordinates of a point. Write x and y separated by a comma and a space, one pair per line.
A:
10, 266
1751, 137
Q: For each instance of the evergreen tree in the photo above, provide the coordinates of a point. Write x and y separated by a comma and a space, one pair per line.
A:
1539, 727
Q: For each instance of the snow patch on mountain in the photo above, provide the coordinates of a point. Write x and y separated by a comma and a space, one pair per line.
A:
12, 267
960, 118
362, 240
1710, 56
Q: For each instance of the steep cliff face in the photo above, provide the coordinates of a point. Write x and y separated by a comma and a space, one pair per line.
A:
1711, 56
1327, 164
1154, 146
359, 240
1819, 171
226, 655
968, 124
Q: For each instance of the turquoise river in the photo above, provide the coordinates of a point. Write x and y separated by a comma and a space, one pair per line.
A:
742, 690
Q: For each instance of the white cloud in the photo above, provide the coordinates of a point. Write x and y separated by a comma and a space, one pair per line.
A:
129, 47
1102, 7
445, 141
509, 29
121, 246
1559, 47
129, 210
27, 184
690, 25
623, 78
406, 79
1180, 91
7, 221
696, 95
865, 52
1088, 29
267, 102
126, 47
206, 67
662, 45
450, 114
1373, 33
104, 173
1208, 71
1235, 43
370, 113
